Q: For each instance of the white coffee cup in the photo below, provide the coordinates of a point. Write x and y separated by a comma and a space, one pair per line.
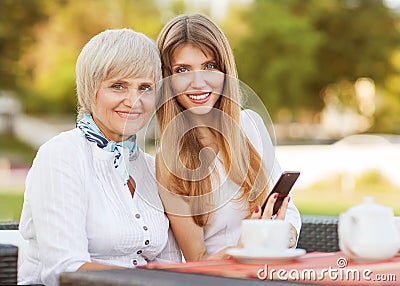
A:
261, 236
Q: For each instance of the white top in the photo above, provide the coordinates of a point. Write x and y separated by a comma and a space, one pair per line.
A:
224, 225
77, 210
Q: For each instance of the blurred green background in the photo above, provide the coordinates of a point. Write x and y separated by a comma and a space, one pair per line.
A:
324, 70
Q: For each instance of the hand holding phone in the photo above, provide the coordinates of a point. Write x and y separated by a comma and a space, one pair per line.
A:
282, 187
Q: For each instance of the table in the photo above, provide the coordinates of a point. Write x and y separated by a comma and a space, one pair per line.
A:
313, 268
155, 277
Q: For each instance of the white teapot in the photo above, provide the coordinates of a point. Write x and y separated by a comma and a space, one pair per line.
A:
368, 232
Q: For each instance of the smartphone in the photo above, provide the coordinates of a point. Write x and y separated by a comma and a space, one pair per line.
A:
282, 187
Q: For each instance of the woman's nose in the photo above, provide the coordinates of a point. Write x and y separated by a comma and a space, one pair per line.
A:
132, 97
198, 80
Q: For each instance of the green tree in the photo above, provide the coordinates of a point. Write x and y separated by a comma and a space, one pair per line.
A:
50, 61
18, 19
361, 37
295, 48
277, 57
387, 118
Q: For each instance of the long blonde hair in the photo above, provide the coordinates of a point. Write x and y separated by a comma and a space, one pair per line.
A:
241, 162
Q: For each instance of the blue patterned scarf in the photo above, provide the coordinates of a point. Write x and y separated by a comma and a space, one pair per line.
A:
93, 134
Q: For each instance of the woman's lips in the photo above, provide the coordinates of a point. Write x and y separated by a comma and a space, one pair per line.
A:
128, 115
200, 97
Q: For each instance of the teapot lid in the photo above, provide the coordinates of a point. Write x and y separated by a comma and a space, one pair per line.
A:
369, 207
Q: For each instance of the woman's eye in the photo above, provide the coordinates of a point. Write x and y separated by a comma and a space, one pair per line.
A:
210, 66
145, 88
117, 86
181, 70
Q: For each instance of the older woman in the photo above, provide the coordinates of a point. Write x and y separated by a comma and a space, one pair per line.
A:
91, 200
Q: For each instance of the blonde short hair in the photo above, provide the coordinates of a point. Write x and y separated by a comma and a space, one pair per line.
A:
113, 53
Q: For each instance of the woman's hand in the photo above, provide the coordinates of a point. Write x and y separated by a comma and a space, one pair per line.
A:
270, 206
280, 215
293, 236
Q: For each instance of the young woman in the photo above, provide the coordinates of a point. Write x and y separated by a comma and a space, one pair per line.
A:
216, 162
91, 200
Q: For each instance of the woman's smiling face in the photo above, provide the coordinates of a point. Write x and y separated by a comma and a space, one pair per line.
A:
123, 106
196, 79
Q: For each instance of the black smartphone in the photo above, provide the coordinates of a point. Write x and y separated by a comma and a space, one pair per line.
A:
282, 187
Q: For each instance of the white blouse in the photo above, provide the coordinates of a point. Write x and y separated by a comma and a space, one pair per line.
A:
77, 210
224, 224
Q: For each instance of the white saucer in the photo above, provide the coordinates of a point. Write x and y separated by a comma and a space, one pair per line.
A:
242, 255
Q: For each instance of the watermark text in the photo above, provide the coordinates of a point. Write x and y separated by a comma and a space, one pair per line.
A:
337, 273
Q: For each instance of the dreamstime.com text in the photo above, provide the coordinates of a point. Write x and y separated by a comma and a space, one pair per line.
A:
340, 272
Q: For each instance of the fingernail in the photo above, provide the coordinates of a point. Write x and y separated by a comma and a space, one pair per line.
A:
276, 196
257, 209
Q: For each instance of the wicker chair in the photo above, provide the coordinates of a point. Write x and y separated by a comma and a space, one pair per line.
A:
9, 225
9, 235
8, 264
319, 233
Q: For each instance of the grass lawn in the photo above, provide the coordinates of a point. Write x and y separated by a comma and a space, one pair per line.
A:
309, 202
17, 152
328, 197
333, 204
336, 194
10, 206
